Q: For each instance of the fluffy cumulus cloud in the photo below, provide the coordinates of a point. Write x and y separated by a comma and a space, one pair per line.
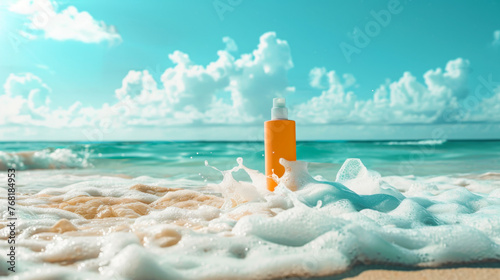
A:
403, 101
228, 90
68, 24
25, 101
232, 90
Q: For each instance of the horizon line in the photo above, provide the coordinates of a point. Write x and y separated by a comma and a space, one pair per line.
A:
249, 141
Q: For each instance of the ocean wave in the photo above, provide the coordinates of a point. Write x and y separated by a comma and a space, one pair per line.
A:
44, 159
416, 143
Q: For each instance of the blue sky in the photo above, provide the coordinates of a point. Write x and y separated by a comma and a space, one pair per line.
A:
177, 70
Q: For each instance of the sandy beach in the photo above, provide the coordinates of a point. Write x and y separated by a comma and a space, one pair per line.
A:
477, 272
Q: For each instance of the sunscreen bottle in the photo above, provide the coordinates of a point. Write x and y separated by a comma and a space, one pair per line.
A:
279, 141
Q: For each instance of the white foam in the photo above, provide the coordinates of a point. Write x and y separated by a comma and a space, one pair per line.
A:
430, 142
305, 228
44, 159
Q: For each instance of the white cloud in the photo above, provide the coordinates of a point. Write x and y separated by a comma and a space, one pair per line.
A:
195, 93
496, 38
188, 84
137, 83
69, 24
318, 78
488, 107
229, 90
402, 101
30, 87
230, 44
25, 101
234, 90
334, 103
262, 75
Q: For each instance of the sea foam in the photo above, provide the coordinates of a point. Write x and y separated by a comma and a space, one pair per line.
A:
429, 142
44, 159
238, 230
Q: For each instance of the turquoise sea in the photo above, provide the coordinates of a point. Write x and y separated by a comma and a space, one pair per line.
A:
186, 160
199, 210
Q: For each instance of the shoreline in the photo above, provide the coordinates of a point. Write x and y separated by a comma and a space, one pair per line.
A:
486, 270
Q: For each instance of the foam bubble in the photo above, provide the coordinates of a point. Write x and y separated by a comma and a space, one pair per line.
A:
134, 229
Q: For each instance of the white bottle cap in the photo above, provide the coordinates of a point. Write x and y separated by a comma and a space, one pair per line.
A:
279, 111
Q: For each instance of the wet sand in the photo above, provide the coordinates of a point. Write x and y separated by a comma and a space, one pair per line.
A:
378, 272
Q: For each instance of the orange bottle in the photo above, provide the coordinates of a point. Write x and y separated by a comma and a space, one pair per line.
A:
279, 141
